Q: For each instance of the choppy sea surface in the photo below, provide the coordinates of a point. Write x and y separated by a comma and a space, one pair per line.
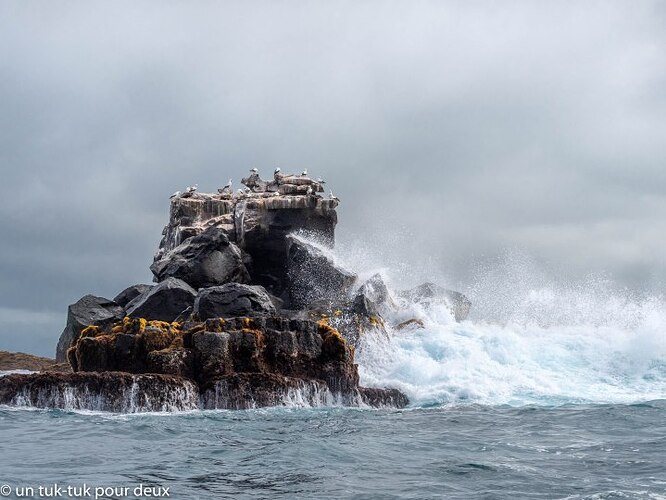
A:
552, 392
461, 451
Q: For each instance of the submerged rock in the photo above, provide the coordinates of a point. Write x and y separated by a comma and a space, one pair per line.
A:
205, 260
429, 294
232, 299
313, 277
164, 302
89, 310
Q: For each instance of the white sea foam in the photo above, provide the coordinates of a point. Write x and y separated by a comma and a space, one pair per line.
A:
555, 348
532, 338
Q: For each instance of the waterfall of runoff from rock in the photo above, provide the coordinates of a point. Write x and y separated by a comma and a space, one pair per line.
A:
530, 340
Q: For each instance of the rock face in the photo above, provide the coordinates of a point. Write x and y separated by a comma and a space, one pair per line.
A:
429, 294
312, 276
205, 260
258, 223
165, 302
89, 310
232, 299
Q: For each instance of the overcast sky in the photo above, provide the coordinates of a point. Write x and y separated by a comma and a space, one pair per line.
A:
454, 133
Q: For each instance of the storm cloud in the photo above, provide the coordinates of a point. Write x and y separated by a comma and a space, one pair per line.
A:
452, 132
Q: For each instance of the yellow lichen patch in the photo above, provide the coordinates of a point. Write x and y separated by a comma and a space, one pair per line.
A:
376, 321
90, 331
155, 339
117, 329
105, 339
162, 325
215, 325
134, 325
337, 312
248, 323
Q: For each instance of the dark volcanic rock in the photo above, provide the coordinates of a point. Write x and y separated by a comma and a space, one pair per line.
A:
373, 297
240, 362
314, 277
108, 391
130, 293
164, 301
258, 223
256, 390
205, 260
232, 299
89, 310
171, 361
429, 294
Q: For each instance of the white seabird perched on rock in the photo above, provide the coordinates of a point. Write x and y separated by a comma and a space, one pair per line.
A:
277, 175
254, 170
174, 195
331, 196
320, 180
226, 189
304, 172
189, 191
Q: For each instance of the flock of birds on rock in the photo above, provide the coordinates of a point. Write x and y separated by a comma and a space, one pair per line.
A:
254, 184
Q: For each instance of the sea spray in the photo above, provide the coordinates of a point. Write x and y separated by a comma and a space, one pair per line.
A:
532, 339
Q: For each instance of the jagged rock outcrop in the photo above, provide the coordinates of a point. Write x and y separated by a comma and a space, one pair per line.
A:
130, 293
232, 299
88, 310
313, 277
165, 301
205, 260
429, 294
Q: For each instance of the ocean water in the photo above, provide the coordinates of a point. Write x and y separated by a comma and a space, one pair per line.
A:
549, 391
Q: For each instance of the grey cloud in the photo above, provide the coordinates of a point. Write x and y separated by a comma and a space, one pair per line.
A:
451, 131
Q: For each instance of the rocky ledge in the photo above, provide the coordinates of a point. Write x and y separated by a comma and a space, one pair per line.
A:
248, 309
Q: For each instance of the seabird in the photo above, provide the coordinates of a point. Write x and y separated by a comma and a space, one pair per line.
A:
192, 189
175, 195
254, 170
309, 190
320, 180
332, 196
226, 189
304, 172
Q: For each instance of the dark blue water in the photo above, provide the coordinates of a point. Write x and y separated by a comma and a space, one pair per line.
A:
462, 451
